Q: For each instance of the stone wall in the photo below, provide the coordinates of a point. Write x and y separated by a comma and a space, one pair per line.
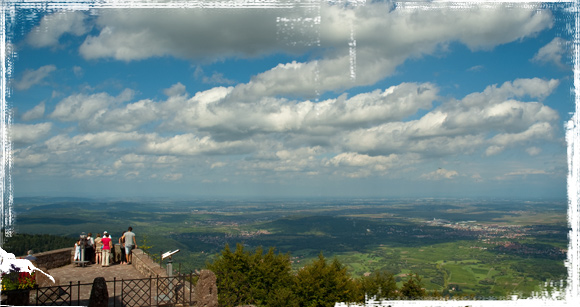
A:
145, 265
54, 258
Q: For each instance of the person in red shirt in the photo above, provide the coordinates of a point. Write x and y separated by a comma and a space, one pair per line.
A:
107, 245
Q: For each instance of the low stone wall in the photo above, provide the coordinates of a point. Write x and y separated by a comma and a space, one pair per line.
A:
145, 265
55, 258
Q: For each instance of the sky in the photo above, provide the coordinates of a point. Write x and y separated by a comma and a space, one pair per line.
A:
358, 99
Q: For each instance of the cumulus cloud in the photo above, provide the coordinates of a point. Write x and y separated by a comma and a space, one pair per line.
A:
32, 77
178, 32
552, 53
34, 113
29, 158
80, 107
356, 165
277, 124
191, 145
177, 89
53, 26
130, 117
63, 143
462, 126
215, 78
218, 109
439, 174
28, 134
365, 134
403, 34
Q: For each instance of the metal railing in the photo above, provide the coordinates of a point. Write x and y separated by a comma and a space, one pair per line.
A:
152, 291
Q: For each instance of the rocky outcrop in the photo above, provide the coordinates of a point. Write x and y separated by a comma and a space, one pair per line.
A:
206, 290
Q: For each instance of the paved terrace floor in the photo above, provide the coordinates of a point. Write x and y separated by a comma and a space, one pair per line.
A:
86, 275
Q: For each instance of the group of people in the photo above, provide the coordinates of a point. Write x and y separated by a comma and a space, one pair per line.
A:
98, 250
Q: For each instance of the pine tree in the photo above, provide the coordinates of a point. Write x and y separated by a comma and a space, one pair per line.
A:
412, 289
322, 285
381, 285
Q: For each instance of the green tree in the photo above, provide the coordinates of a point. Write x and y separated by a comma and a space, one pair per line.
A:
253, 278
20, 243
381, 285
321, 284
412, 289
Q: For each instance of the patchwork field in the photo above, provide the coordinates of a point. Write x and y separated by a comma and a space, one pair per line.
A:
482, 248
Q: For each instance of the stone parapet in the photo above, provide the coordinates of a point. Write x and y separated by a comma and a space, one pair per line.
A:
54, 258
145, 265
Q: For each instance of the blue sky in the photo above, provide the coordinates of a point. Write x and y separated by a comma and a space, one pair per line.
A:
369, 99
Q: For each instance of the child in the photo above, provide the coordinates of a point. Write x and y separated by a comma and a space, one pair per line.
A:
77, 250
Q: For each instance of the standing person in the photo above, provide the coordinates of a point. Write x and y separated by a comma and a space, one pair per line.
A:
90, 249
130, 244
98, 249
77, 250
122, 245
107, 245
30, 256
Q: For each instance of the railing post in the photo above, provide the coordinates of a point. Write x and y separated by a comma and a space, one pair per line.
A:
150, 293
157, 287
115, 291
71, 291
78, 292
122, 291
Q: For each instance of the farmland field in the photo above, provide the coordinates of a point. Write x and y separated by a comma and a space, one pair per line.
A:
484, 248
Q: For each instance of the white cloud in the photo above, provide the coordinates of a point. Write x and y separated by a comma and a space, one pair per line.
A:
439, 174
191, 145
476, 68
177, 89
130, 117
32, 77
218, 109
78, 71
463, 126
552, 53
218, 164
63, 143
35, 113
81, 107
522, 173
173, 177
533, 151
52, 27
352, 159
215, 78
385, 37
28, 134
27, 158
538, 131
178, 32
